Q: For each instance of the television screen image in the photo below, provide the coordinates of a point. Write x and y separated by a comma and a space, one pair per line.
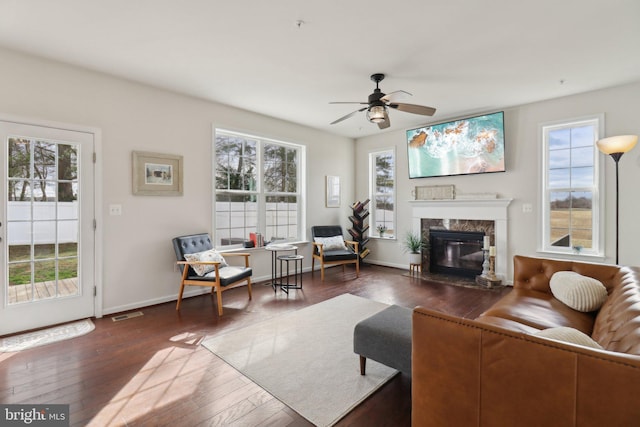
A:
466, 146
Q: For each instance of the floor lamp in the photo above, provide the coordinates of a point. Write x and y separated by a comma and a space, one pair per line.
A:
616, 146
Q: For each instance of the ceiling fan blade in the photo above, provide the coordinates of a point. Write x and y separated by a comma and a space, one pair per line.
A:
395, 96
386, 123
415, 109
347, 102
347, 116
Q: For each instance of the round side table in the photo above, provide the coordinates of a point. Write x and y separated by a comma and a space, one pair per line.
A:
290, 281
274, 249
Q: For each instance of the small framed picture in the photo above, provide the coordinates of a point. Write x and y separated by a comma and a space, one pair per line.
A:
156, 174
333, 191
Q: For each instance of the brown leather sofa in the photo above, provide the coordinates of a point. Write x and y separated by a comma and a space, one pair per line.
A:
492, 371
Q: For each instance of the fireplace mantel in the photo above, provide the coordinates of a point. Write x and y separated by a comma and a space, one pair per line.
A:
480, 203
470, 209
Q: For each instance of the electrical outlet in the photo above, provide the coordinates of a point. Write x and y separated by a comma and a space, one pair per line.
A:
115, 210
527, 208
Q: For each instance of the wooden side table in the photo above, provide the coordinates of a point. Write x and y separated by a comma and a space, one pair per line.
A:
415, 268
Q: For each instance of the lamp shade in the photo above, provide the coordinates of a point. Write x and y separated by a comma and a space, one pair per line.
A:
376, 113
617, 144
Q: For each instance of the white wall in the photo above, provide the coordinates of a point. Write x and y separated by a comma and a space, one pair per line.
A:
521, 181
138, 260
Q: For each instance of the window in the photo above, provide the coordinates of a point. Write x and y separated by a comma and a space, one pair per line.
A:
258, 189
383, 193
571, 190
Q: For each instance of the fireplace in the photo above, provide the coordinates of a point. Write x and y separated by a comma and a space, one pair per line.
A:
457, 253
486, 215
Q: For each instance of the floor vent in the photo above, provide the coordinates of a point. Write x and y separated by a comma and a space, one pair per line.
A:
127, 316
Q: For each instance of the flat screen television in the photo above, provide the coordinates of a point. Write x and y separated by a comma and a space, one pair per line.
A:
461, 147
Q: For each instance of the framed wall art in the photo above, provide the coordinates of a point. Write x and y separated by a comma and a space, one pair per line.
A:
156, 174
333, 191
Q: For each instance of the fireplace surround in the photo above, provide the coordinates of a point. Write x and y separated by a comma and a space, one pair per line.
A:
489, 216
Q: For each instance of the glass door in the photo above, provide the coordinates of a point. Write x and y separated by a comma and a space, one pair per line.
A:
47, 231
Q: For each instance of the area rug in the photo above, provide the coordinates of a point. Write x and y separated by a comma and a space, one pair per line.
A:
305, 358
46, 336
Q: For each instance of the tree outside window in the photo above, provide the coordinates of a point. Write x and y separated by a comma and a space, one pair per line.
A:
258, 189
383, 193
42, 211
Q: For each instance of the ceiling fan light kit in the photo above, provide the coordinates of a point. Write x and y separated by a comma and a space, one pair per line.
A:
378, 104
376, 113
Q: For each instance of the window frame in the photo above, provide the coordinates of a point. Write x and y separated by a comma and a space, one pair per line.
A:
597, 188
373, 155
260, 192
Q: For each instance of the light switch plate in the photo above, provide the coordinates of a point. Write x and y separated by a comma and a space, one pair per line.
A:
115, 210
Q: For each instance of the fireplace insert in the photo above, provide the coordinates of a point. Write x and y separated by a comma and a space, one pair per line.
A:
456, 252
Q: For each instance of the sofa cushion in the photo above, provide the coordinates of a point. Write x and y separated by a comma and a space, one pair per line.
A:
539, 310
230, 275
534, 273
210, 255
568, 335
579, 292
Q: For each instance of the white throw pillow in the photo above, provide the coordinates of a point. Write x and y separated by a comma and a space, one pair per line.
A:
210, 255
569, 335
579, 292
331, 243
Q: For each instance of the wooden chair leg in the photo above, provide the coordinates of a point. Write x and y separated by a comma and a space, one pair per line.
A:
219, 292
180, 296
322, 271
249, 287
363, 365
313, 264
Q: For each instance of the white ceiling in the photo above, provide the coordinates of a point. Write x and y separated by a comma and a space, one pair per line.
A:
460, 56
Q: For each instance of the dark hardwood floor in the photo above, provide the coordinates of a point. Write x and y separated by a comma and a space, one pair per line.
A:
151, 370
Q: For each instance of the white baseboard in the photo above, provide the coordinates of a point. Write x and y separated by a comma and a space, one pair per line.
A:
190, 291
388, 264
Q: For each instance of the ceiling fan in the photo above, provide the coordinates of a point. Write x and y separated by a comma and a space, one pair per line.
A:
379, 102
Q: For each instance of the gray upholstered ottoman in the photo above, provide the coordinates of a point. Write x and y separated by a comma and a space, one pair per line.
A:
386, 338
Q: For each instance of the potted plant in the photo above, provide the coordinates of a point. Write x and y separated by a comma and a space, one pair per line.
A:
381, 229
413, 244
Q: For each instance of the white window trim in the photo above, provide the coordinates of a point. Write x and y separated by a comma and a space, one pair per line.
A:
260, 195
372, 185
598, 203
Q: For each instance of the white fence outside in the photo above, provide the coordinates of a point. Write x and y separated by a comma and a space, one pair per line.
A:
235, 220
47, 226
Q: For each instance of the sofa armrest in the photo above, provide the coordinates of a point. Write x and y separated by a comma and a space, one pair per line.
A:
465, 373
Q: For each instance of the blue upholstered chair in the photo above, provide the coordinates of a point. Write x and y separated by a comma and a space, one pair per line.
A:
332, 255
216, 273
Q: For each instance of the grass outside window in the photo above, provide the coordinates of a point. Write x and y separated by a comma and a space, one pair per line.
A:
44, 263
